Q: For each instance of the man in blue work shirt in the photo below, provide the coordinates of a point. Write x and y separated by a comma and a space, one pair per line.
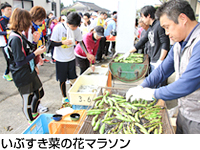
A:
178, 19
6, 10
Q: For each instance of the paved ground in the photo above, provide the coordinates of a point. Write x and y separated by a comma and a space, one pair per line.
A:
11, 103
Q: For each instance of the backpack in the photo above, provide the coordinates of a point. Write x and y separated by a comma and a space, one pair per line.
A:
9, 53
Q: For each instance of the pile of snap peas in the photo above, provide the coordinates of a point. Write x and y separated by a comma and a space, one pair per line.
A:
122, 117
132, 58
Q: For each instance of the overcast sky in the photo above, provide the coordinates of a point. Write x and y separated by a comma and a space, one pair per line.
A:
112, 4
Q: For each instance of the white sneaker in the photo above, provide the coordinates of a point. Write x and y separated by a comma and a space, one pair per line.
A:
42, 109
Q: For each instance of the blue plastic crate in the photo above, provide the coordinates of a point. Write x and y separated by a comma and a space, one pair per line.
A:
40, 125
78, 107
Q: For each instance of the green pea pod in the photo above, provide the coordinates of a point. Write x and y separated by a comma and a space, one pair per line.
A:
94, 119
112, 99
96, 127
92, 110
132, 118
156, 131
152, 103
155, 120
142, 129
128, 110
117, 106
97, 98
130, 105
132, 128
105, 100
120, 127
119, 99
96, 104
117, 114
110, 112
122, 101
128, 129
110, 102
93, 113
153, 124
139, 105
123, 119
116, 95
160, 129
101, 103
107, 115
137, 117
107, 93
110, 122
125, 131
108, 119
102, 129
112, 130
152, 128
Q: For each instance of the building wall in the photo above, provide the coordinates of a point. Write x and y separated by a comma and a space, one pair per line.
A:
43, 3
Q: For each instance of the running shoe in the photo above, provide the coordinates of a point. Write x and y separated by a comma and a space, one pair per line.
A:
46, 61
7, 77
65, 100
42, 109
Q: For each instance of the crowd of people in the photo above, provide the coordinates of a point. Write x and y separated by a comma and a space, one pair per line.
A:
84, 40
69, 40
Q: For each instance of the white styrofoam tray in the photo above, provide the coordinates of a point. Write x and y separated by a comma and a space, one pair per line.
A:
85, 98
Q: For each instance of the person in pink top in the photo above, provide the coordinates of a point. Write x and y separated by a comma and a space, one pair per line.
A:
91, 41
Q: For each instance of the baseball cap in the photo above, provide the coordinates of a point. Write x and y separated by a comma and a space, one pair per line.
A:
99, 30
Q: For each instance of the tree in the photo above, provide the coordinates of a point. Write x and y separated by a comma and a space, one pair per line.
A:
61, 5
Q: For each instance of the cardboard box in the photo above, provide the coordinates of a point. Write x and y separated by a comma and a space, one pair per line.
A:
85, 98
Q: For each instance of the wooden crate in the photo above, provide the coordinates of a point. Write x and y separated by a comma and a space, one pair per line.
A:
88, 129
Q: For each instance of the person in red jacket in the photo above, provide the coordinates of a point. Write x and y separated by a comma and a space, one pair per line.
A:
91, 41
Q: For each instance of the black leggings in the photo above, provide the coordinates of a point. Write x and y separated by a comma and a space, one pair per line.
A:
31, 102
63, 88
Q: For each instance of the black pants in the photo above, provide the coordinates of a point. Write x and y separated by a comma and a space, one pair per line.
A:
186, 126
7, 61
82, 63
106, 48
101, 48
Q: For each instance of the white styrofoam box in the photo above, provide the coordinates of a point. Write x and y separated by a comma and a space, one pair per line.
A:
85, 98
100, 70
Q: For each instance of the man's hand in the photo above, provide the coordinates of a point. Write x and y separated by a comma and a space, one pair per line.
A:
132, 50
125, 55
138, 92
